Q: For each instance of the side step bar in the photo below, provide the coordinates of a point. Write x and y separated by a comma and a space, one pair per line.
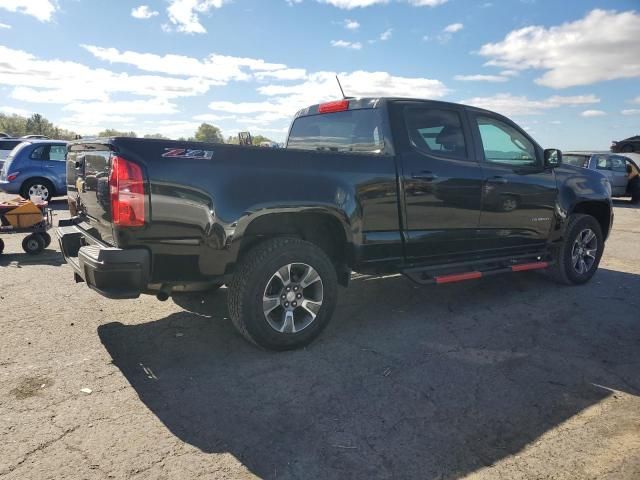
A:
429, 275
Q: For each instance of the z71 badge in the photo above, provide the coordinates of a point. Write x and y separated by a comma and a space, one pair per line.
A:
187, 153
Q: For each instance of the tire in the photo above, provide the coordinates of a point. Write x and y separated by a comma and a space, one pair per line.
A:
37, 186
260, 275
627, 148
47, 239
1, 246
566, 269
33, 244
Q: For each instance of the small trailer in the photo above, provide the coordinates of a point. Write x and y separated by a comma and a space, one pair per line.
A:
24, 216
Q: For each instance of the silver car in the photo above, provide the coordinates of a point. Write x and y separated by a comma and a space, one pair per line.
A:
611, 165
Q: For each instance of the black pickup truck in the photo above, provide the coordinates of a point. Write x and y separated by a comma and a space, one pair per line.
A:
437, 191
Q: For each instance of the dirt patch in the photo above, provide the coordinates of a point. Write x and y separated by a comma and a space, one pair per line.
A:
30, 387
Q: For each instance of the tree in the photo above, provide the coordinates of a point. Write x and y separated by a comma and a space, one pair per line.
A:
19, 126
209, 133
157, 136
112, 132
38, 125
258, 139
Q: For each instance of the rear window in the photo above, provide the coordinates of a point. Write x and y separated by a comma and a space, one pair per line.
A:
356, 131
576, 160
9, 144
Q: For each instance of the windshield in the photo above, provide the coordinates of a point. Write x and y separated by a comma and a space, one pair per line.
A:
356, 131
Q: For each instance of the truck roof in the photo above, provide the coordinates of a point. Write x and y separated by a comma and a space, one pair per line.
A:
378, 102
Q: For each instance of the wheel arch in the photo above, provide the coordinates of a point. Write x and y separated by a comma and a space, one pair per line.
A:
322, 228
601, 211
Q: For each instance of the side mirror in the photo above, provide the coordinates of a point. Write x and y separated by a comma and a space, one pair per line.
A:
552, 157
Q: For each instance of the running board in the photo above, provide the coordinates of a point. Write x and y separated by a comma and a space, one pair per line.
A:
426, 276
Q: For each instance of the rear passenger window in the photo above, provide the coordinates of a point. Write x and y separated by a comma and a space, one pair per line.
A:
58, 153
436, 131
618, 165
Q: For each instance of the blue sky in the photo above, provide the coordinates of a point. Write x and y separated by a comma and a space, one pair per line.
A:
567, 71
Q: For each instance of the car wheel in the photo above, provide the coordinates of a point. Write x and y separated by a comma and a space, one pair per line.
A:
33, 244
627, 149
37, 187
283, 293
577, 258
1, 246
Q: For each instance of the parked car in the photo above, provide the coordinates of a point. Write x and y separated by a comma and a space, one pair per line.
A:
614, 167
629, 145
36, 167
373, 185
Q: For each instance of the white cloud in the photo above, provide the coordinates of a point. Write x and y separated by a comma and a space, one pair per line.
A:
185, 13
636, 100
351, 24
216, 69
453, 28
482, 78
43, 10
143, 12
593, 113
15, 111
285, 100
351, 4
5, 26
386, 35
601, 46
508, 104
346, 44
56, 81
631, 111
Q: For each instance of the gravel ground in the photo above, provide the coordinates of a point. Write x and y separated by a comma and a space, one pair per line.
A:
510, 377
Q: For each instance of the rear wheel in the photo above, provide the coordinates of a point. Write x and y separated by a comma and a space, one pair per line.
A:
627, 149
283, 293
37, 187
578, 256
33, 244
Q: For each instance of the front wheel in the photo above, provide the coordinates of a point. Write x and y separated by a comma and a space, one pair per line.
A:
283, 293
577, 258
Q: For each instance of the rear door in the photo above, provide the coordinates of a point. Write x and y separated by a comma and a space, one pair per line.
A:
615, 169
519, 194
441, 178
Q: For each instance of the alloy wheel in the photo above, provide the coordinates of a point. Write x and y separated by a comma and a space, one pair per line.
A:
584, 251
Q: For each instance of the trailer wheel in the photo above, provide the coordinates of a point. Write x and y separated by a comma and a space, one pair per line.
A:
283, 293
33, 244
1, 246
47, 239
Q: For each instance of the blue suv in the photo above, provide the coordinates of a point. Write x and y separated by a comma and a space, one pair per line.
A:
36, 167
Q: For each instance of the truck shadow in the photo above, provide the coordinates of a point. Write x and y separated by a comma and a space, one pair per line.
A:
407, 382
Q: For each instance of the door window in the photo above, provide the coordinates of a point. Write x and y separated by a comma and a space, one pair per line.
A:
39, 153
603, 162
618, 165
436, 132
503, 144
57, 153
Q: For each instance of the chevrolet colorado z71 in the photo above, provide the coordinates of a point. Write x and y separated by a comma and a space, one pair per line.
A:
437, 191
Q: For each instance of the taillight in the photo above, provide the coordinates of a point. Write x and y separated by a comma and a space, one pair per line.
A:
13, 176
337, 106
126, 187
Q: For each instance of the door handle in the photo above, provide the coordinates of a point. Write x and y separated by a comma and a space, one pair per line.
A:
498, 180
424, 175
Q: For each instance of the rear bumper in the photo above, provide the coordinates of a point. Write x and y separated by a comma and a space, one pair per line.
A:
112, 272
9, 187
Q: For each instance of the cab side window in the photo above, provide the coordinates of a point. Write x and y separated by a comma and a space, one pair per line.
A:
436, 132
618, 165
503, 144
603, 163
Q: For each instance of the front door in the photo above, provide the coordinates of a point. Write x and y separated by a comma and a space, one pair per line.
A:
442, 181
519, 193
